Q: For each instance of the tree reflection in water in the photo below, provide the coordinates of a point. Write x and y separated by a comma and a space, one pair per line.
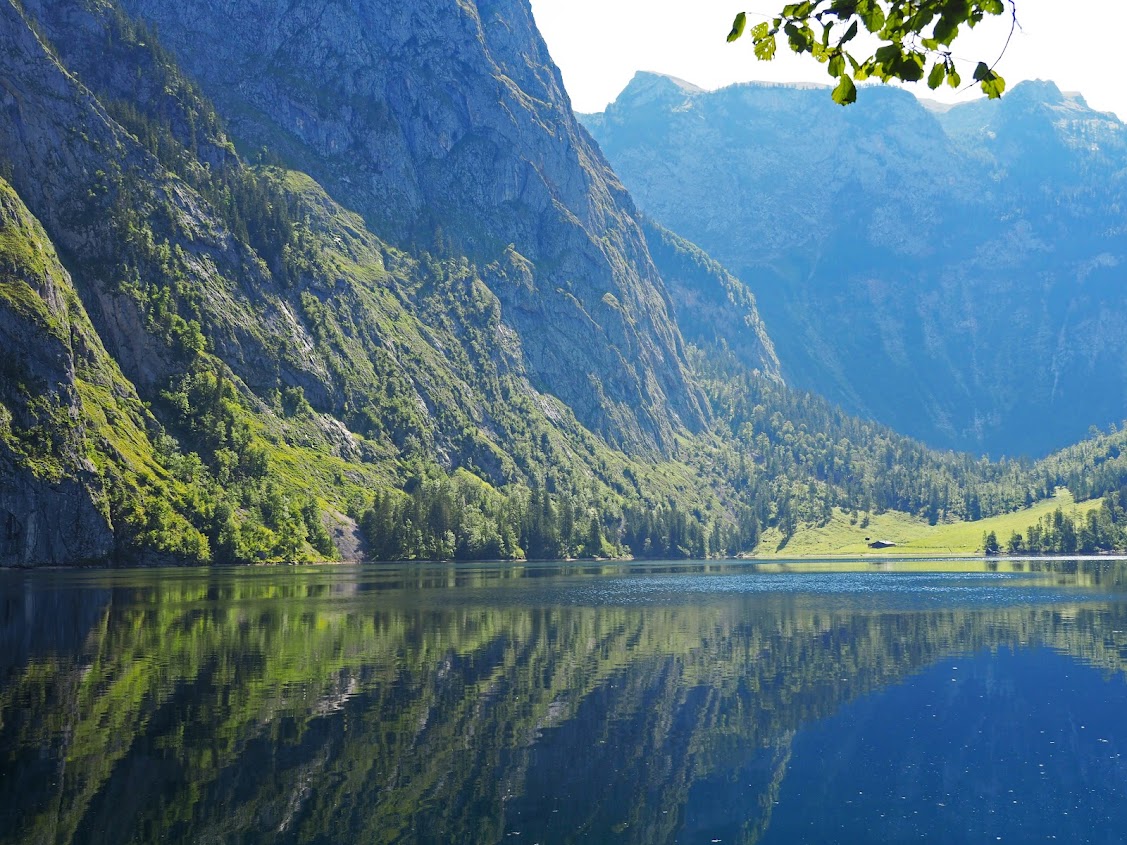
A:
619, 703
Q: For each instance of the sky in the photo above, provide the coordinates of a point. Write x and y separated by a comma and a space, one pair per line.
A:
599, 44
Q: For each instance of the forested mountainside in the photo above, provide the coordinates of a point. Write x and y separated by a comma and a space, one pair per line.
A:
268, 298
955, 274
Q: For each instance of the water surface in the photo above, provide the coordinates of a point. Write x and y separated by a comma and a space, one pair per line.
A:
556, 703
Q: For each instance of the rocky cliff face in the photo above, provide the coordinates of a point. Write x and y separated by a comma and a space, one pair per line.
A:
446, 125
715, 311
53, 503
111, 205
956, 275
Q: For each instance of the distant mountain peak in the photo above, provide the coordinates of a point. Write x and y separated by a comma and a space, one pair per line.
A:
1043, 90
648, 87
1009, 205
792, 86
655, 78
1034, 105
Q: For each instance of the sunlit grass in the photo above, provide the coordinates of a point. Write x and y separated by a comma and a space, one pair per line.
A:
911, 535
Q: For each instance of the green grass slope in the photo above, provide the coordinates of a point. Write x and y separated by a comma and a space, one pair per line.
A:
844, 537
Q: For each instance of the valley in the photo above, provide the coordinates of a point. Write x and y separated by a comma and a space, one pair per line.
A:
393, 302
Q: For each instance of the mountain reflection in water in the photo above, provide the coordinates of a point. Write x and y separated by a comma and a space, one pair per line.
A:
657, 703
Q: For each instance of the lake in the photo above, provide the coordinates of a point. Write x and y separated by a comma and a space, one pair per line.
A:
555, 703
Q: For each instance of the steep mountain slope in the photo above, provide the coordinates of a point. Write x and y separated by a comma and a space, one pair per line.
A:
447, 126
75, 449
962, 286
713, 309
291, 350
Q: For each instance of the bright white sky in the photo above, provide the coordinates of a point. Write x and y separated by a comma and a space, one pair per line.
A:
599, 44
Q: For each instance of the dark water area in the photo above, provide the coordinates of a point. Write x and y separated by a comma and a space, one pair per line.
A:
559, 703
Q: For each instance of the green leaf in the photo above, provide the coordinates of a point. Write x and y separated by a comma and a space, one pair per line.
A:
885, 61
737, 27
953, 78
993, 87
935, 78
850, 34
910, 68
946, 28
799, 37
837, 65
765, 48
888, 54
845, 92
871, 14
992, 84
922, 17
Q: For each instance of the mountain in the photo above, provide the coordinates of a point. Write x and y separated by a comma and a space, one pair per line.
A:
713, 309
55, 400
278, 361
954, 274
448, 123
269, 293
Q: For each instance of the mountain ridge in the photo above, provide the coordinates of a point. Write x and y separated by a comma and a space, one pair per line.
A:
299, 361
929, 248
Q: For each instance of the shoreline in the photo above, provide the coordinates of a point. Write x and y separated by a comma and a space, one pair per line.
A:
875, 559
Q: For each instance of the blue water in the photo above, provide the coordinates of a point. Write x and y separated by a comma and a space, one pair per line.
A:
619, 703
999, 746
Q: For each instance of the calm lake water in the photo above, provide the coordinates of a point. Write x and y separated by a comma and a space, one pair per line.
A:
621, 703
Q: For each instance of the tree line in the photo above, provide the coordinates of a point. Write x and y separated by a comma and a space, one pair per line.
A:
1102, 529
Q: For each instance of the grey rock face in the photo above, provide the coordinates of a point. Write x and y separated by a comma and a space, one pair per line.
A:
714, 310
957, 276
77, 170
446, 125
52, 505
50, 523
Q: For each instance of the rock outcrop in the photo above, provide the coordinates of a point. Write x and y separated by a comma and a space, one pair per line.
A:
714, 310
